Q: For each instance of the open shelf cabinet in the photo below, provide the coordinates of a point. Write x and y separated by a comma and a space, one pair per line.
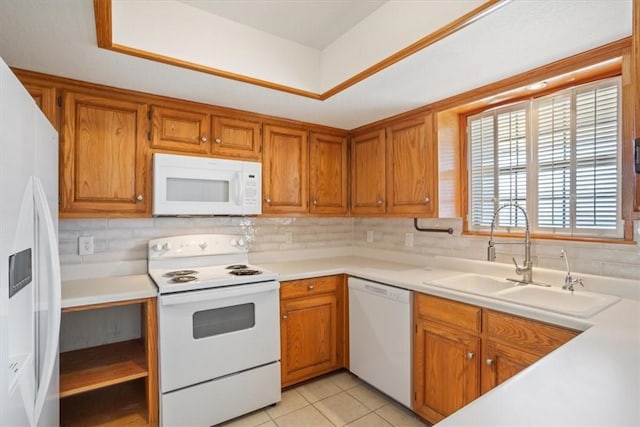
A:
112, 384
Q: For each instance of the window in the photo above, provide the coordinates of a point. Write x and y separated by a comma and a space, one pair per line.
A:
557, 156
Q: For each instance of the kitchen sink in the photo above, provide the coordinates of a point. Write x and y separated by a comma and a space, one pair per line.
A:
473, 284
578, 303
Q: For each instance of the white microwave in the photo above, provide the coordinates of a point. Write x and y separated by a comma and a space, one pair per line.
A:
188, 185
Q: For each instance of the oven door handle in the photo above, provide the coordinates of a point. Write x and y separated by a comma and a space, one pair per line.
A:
218, 293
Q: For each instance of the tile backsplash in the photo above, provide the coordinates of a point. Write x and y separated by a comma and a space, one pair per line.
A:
126, 240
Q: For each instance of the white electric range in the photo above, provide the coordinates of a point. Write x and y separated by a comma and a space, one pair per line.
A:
219, 329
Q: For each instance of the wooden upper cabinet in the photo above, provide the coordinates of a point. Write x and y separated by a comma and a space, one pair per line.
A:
368, 189
285, 186
185, 131
103, 163
412, 168
45, 98
328, 174
237, 137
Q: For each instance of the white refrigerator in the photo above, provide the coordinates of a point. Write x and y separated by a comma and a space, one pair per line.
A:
29, 261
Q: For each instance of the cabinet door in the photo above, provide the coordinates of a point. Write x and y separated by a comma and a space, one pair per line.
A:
285, 177
45, 98
412, 168
237, 137
104, 166
501, 362
308, 334
446, 370
180, 130
328, 174
368, 173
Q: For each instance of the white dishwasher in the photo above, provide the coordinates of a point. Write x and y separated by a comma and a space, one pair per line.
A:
380, 337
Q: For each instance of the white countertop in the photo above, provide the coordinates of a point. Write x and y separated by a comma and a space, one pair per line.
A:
594, 379
106, 289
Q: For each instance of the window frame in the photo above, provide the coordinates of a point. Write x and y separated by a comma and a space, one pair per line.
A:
530, 106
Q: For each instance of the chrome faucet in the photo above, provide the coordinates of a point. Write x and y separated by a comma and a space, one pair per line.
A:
527, 268
569, 282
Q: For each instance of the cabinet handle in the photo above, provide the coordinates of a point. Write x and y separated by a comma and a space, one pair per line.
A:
470, 355
268, 200
311, 287
218, 141
140, 197
489, 362
284, 317
380, 202
427, 200
204, 139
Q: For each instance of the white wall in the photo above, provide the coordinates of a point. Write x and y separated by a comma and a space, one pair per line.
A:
125, 240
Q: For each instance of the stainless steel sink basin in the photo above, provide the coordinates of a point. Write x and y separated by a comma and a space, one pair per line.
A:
578, 303
473, 284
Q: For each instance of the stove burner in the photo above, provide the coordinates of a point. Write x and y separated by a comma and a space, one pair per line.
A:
180, 273
236, 267
183, 279
245, 272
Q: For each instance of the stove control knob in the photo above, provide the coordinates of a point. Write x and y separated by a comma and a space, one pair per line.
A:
203, 245
241, 243
166, 247
233, 242
157, 247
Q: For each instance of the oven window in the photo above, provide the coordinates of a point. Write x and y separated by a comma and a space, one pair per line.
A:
208, 323
197, 190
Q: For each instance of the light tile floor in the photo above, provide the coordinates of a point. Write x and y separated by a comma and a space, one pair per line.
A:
339, 399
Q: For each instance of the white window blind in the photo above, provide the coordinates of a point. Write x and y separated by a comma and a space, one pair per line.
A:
557, 156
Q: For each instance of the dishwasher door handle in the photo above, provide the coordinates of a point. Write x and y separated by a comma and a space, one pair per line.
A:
376, 289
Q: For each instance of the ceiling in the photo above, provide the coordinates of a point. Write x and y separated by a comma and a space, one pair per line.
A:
312, 23
58, 37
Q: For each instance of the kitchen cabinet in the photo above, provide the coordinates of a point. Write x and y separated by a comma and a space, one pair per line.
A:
182, 131
312, 327
513, 343
112, 384
237, 137
285, 173
395, 170
328, 174
368, 185
462, 351
104, 165
446, 356
412, 168
635, 82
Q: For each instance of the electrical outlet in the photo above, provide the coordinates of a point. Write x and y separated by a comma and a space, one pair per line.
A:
408, 240
85, 245
288, 237
370, 236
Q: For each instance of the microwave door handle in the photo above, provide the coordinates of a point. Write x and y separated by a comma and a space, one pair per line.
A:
239, 189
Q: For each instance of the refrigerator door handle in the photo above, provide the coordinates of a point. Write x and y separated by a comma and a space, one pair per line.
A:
55, 299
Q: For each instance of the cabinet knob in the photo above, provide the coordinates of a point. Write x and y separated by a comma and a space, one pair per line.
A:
204, 139
284, 317
380, 202
268, 200
427, 200
140, 197
315, 202
489, 362
218, 141
311, 287
470, 355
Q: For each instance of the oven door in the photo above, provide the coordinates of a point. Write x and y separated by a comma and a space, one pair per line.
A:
215, 332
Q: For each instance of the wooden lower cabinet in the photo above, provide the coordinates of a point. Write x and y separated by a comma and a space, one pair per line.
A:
113, 384
312, 327
462, 351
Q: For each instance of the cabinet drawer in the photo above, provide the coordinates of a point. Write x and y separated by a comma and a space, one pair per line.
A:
537, 337
449, 312
306, 287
